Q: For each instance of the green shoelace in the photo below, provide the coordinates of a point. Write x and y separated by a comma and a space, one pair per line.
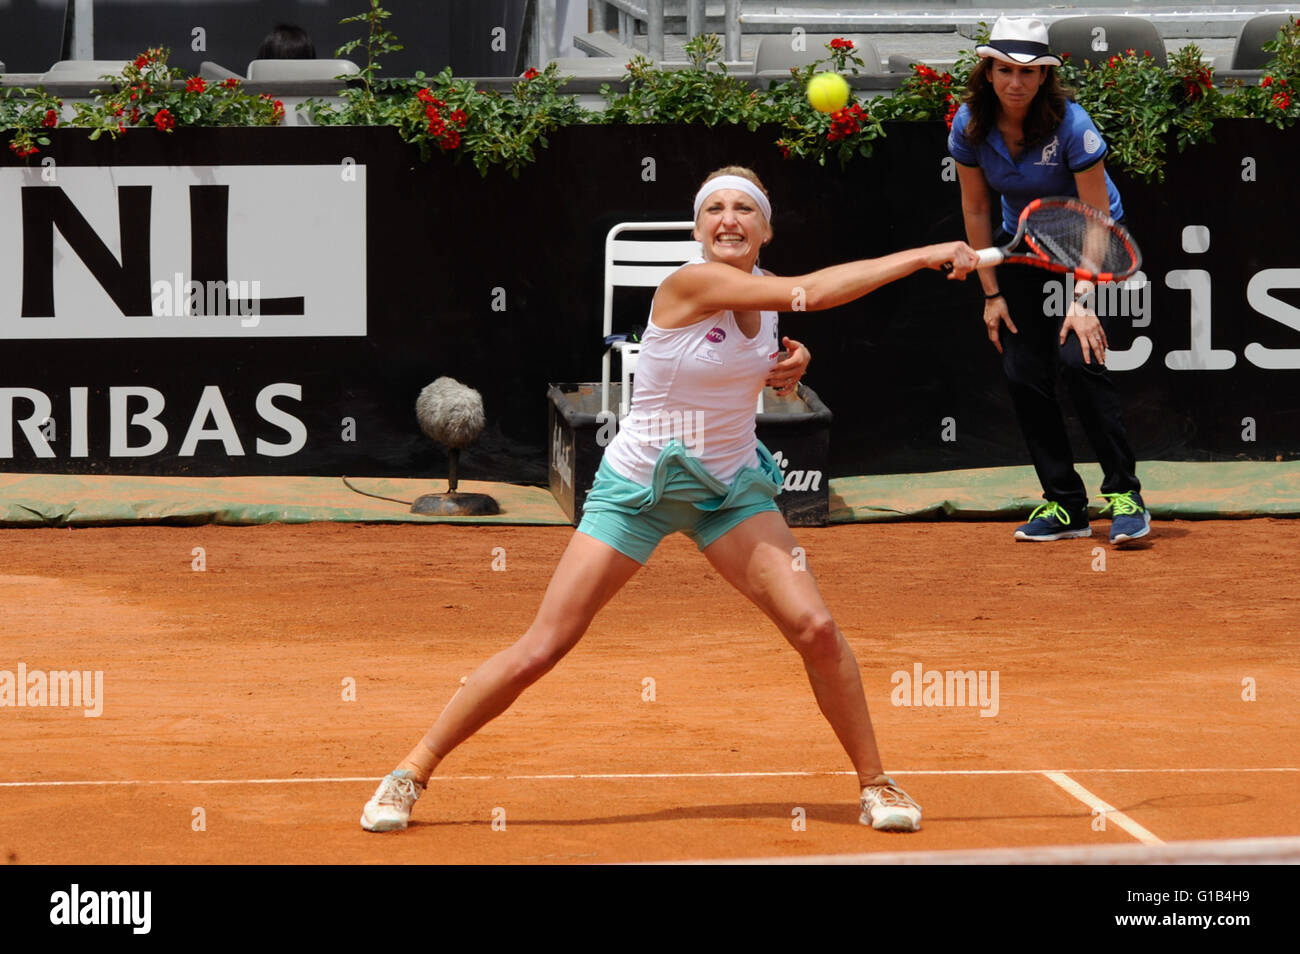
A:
1121, 505
1049, 510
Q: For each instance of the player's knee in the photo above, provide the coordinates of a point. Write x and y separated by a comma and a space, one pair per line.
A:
533, 661
818, 638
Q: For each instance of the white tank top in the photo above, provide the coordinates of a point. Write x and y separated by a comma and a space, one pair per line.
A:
698, 384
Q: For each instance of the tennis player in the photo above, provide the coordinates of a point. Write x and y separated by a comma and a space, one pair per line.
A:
710, 345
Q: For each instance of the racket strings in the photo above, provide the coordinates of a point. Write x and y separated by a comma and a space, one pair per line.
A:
1076, 239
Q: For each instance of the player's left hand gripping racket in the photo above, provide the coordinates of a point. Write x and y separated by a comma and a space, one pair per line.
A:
1067, 235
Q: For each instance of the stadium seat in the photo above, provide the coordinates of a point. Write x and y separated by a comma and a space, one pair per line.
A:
1249, 52
83, 71
638, 263
263, 70
775, 51
215, 72
1096, 39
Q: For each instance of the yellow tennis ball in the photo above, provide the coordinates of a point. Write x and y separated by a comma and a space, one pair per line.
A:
828, 92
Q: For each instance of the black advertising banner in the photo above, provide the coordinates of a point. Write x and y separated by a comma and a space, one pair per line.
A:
235, 302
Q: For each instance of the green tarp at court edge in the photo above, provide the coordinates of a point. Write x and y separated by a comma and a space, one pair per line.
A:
1173, 490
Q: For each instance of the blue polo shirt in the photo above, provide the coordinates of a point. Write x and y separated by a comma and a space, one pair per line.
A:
1043, 169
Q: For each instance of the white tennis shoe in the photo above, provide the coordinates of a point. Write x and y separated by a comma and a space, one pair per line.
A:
886, 807
389, 809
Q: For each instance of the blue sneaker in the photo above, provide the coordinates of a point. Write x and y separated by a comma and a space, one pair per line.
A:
1129, 517
1051, 521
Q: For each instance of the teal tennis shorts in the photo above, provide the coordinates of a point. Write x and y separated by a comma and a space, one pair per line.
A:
632, 518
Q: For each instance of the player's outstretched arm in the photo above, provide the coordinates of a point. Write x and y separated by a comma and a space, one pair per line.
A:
693, 293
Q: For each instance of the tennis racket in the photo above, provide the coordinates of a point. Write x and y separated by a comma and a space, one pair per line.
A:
1067, 235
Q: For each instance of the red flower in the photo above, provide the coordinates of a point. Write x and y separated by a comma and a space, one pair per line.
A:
785, 149
458, 117
839, 43
1266, 81
1065, 55
195, 84
142, 60
164, 120
51, 118
451, 140
1113, 62
22, 152
953, 105
230, 83
1198, 83
1282, 100
278, 110
845, 122
135, 115
530, 73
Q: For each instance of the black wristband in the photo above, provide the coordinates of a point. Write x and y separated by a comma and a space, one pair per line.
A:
994, 295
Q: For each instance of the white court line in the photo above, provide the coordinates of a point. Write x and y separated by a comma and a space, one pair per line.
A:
637, 775
1258, 851
1108, 811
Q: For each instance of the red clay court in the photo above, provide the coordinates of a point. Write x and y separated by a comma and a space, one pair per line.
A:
1124, 694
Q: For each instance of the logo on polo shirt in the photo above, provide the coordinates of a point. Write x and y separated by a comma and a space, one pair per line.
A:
716, 335
1049, 153
1091, 141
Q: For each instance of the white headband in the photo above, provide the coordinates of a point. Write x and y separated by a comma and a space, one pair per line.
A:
733, 182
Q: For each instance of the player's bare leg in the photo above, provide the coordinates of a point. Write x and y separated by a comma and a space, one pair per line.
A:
588, 575
758, 558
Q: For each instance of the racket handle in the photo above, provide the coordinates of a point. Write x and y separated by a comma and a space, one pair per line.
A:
988, 257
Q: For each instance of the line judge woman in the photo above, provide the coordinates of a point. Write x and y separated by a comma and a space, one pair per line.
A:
1019, 134
710, 345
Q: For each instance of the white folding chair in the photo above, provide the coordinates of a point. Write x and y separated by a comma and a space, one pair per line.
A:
641, 263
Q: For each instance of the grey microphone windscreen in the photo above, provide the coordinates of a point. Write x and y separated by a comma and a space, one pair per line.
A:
450, 413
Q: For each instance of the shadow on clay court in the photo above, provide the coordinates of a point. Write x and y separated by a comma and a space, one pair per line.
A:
839, 813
